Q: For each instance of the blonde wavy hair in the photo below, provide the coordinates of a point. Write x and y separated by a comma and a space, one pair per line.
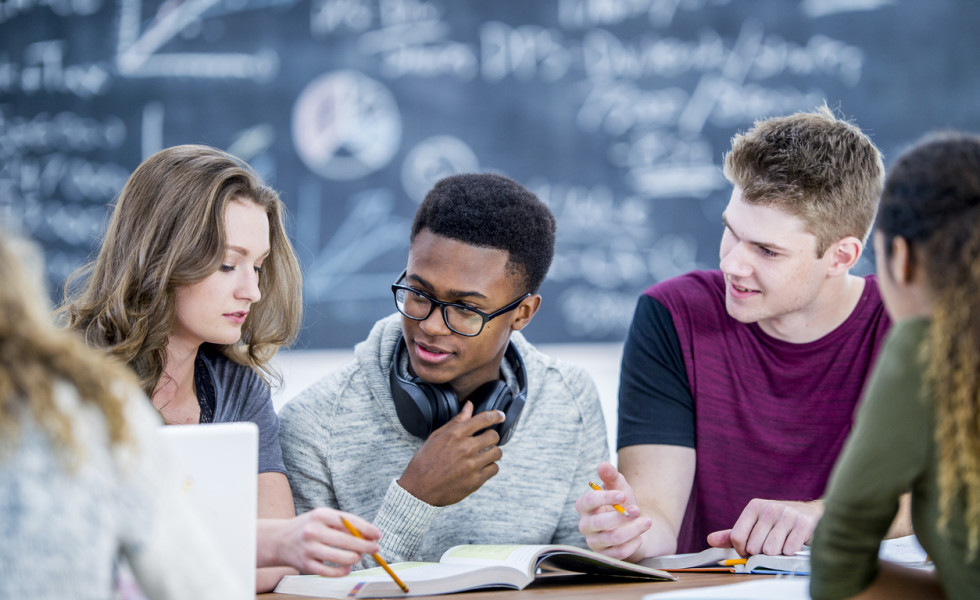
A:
167, 231
932, 200
813, 166
35, 355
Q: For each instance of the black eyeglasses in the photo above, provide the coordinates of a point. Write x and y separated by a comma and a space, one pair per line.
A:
464, 320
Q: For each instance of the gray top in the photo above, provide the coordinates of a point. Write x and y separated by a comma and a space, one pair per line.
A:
344, 447
62, 530
241, 395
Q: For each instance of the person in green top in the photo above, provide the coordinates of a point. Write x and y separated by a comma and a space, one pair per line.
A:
918, 427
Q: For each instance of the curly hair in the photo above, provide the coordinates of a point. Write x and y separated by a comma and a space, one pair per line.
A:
932, 200
493, 211
814, 166
35, 355
167, 231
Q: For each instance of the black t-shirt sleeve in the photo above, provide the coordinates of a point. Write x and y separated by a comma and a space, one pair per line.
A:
655, 402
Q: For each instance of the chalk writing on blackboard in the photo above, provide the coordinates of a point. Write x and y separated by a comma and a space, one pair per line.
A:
617, 113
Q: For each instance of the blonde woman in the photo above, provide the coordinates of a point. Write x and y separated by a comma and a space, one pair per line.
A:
918, 427
82, 481
196, 287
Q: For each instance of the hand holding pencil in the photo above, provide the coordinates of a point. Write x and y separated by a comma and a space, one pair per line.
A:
610, 518
616, 491
377, 557
618, 507
315, 542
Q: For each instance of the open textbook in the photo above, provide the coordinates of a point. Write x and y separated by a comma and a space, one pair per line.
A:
466, 568
905, 551
714, 559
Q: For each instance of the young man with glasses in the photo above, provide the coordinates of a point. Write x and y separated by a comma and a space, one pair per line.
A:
449, 427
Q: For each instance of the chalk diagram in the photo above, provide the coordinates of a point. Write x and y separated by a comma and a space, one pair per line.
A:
346, 125
141, 39
431, 160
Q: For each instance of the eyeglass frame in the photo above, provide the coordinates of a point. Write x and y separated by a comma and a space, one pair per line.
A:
434, 302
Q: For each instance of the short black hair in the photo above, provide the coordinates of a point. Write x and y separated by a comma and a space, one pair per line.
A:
492, 211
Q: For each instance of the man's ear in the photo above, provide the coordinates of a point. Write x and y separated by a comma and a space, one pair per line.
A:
844, 255
525, 311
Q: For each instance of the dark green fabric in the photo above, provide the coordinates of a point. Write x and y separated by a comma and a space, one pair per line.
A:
889, 451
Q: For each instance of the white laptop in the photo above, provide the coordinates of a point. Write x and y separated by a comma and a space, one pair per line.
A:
219, 465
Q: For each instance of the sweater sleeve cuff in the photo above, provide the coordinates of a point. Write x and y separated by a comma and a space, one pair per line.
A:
403, 519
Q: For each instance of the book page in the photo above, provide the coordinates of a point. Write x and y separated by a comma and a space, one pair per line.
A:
527, 558
520, 557
422, 578
706, 558
764, 564
905, 551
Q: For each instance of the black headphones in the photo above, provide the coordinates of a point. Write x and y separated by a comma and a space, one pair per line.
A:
423, 407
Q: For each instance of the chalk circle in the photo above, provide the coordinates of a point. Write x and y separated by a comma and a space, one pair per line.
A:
431, 160
346, 125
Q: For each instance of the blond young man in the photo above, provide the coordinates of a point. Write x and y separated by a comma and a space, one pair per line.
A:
738, 386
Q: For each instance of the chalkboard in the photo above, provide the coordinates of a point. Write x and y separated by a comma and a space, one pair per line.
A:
616, 113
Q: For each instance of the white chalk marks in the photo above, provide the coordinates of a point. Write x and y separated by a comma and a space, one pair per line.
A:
346, 125
138, 51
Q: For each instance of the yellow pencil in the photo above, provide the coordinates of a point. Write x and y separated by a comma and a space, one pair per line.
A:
732, 561
376, 556
616, 506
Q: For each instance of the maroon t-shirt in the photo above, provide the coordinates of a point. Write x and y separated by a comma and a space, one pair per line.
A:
767, 417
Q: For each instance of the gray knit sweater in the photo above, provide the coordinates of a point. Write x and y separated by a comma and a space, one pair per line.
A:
344, 447
61, 530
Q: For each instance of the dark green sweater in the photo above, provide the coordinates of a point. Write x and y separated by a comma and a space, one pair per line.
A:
890, 450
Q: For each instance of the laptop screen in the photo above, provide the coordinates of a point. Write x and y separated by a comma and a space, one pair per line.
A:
218, 467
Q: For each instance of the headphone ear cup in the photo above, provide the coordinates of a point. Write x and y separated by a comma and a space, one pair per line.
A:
421, 407
513, 415
445, 404
496, 395
413, 406
492, 395
515, 402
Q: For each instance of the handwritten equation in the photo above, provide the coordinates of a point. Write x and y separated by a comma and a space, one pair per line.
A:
616, 113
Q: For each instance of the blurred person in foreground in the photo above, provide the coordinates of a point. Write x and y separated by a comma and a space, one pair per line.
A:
83, 479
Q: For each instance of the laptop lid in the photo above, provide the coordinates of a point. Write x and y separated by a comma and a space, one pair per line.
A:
218, 467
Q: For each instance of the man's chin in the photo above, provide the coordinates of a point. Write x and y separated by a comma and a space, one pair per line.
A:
739, 313
434, 374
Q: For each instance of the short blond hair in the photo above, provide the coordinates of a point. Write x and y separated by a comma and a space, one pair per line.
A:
813, 165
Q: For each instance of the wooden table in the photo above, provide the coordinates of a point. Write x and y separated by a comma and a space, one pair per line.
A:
576, 587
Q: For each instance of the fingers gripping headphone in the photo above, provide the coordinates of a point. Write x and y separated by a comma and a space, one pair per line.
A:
423, 407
